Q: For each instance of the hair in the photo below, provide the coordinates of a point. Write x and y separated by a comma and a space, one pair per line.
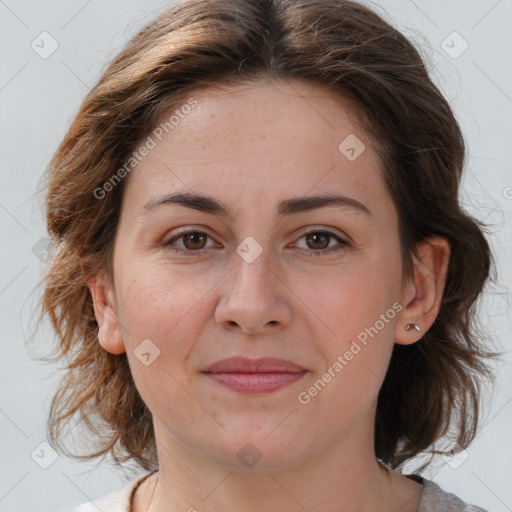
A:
431, 387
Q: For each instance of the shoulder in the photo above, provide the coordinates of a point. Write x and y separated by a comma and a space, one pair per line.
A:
116, 501
435, 499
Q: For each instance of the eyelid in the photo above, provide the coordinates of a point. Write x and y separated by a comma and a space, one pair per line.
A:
185, 231
342, 243
324, 229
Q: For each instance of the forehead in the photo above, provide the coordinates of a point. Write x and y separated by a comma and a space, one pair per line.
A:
263, 141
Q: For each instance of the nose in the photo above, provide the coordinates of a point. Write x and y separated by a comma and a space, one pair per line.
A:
254, 299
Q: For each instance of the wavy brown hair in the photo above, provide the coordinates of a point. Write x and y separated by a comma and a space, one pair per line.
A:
432, 387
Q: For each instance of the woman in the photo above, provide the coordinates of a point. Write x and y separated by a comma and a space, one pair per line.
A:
265, 283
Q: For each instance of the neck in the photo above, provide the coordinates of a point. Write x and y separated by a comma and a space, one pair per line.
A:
346, 479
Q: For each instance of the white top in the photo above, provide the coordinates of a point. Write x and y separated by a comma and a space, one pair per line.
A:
433, 499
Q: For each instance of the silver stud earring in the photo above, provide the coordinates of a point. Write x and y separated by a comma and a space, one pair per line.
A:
408, 327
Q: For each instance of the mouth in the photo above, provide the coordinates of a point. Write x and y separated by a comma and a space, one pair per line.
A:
262, 375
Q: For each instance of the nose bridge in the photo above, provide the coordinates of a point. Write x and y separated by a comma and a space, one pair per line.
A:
251, 273
251, 295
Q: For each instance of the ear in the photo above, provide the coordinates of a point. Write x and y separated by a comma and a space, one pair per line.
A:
105, 311
421, 297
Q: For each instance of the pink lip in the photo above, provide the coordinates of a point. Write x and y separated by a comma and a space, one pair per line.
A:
254, 375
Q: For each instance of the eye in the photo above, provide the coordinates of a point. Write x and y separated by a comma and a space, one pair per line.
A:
193, 241
319, 240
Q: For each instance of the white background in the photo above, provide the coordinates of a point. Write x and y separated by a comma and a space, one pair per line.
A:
38, 98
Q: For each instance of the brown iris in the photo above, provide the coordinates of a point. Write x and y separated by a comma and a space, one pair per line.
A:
194, 238
316, 238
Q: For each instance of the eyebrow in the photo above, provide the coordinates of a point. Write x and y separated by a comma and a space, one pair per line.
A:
294, 205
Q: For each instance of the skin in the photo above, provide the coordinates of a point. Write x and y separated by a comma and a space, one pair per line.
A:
250, 147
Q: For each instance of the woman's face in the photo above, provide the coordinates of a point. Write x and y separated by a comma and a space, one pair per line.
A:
271, 270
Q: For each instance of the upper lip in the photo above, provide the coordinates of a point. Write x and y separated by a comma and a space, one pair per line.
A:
240, 364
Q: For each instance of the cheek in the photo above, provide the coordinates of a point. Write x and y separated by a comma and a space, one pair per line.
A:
361, 315
166, 310
357, 307
156, 298
352, 298
169, 307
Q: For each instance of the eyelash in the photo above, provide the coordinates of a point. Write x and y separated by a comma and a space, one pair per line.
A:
321, 252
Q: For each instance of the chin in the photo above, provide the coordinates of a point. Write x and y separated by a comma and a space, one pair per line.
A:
258, 453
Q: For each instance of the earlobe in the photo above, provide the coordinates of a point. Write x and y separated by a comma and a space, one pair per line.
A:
109, 332
422, 297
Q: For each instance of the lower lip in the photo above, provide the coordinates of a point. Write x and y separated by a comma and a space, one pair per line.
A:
255, 382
